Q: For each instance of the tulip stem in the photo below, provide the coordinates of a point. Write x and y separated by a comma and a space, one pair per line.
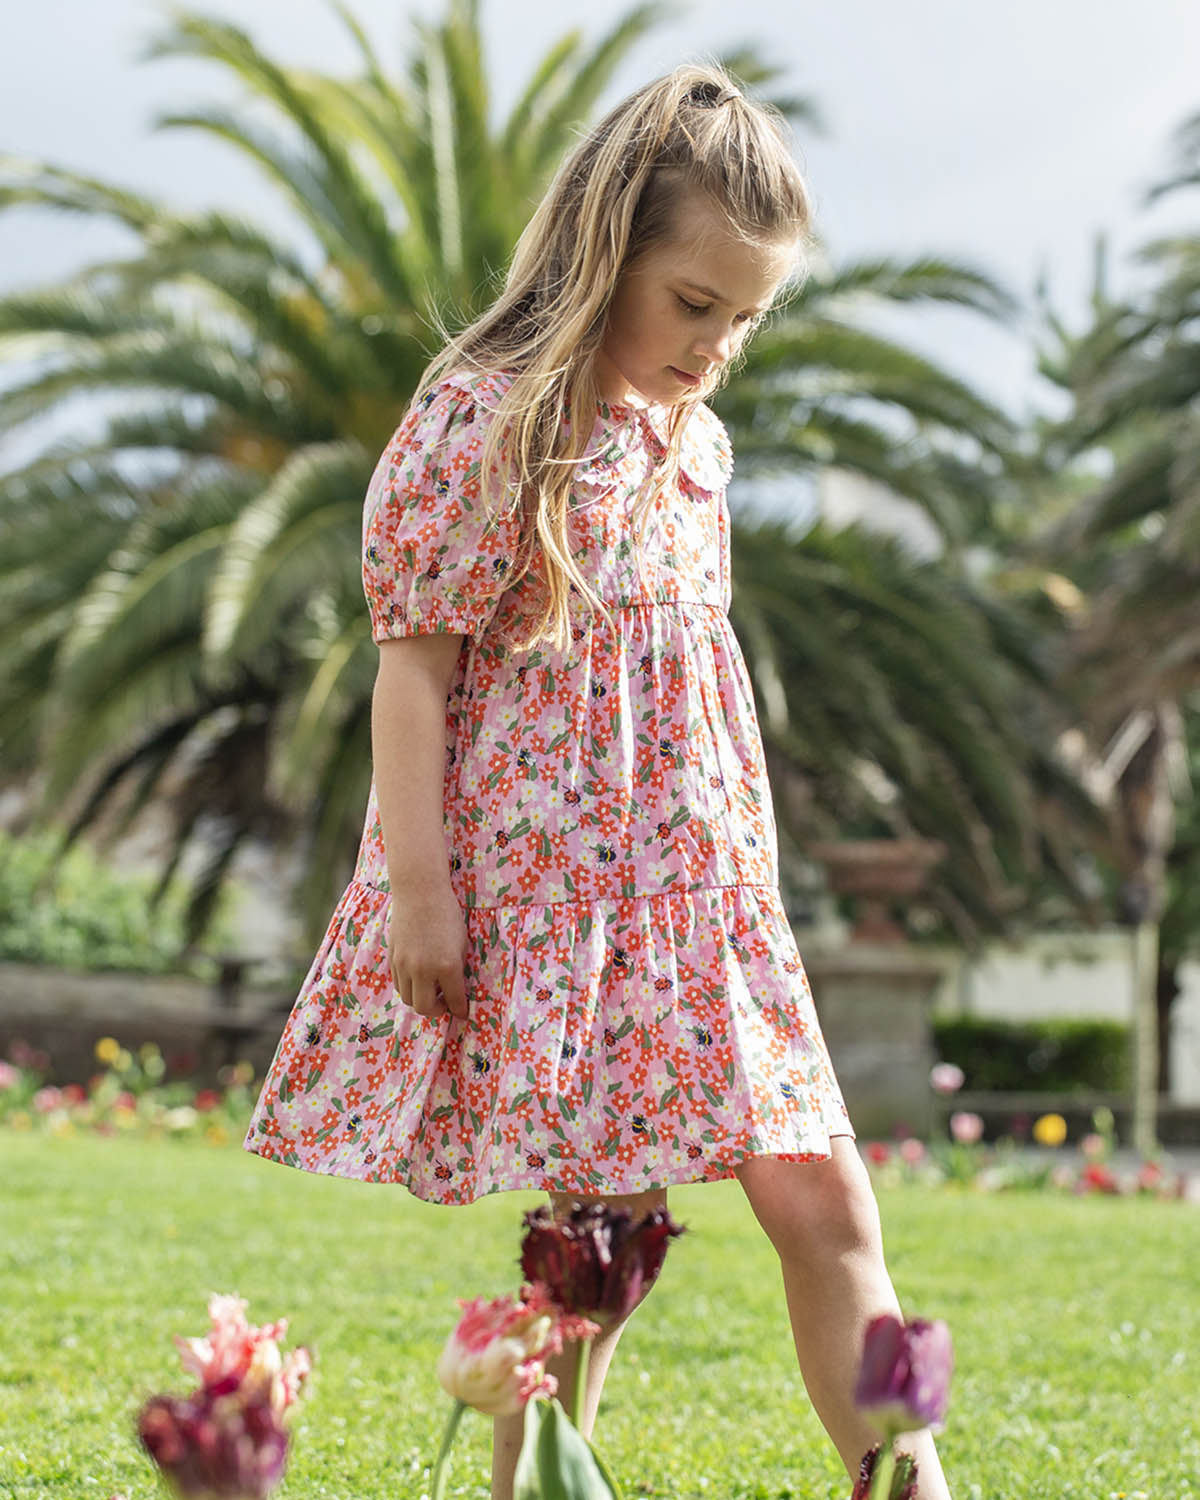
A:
881, 1480
439, 1468
583, 1349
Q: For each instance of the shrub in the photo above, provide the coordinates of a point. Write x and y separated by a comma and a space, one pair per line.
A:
1018, 1056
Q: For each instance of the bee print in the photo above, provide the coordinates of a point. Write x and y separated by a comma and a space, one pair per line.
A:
694, 1152
751, 841
646, 663
569, 1049
703, 1036
441, 487
373, 554
666, 749
313, 1034
364, 1033
479, 1064
500, 566
620, 960
571, 797
525, 758
638, 1125
598, 689
606, 854
534, 1160
354, 1122
442, 1172
787, 1091
710, 575
428, 399
456, 862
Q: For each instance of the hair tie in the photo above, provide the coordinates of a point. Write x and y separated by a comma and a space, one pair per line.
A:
709, 95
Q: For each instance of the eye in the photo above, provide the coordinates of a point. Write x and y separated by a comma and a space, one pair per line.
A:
696, 310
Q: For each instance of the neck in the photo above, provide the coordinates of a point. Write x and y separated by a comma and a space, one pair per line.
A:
611, 385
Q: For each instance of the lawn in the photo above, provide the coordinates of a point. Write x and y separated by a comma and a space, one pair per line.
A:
1076, 1324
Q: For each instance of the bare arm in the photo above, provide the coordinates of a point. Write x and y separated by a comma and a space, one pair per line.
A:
426, 930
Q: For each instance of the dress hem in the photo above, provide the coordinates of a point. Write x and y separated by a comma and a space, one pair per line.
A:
709, 1171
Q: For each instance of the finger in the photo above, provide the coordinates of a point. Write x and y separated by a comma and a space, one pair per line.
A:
454, 992
425, 998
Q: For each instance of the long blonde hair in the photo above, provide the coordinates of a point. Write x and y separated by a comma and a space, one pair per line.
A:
612, 200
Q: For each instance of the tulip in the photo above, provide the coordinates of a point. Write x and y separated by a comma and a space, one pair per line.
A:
904, 1380
904, 1480
912, 1152
235, 1354
1050, 1130
966, 1128
946, 1078
211, 1447
879, 1153
596, 1262
495, 1359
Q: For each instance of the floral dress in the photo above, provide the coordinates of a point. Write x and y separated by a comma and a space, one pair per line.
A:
638, 1012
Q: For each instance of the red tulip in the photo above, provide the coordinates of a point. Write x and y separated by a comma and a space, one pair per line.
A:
214, 1447
904, 1478
596, 1261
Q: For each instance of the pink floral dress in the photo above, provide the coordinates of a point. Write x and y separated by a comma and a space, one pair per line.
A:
639, 1014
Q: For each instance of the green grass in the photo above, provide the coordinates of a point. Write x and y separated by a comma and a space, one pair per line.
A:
1076, 1325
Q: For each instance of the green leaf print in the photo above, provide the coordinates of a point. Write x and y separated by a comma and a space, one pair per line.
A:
585, 1088
680, 815
543, 846
352, 932
565, 1107
520, 829
710, 1094
670, 1095
286, 1092
568, 882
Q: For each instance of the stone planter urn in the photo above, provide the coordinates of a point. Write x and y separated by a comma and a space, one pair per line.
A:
878, 872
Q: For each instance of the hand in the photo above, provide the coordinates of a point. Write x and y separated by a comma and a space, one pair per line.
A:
427, 947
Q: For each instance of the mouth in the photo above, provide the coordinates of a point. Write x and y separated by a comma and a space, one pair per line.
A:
687, 378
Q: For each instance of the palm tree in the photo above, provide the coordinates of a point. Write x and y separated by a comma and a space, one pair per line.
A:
1130, 544
183, 617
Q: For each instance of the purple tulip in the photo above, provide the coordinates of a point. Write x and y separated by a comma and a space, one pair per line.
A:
904, 1380
596, 1261
214, 1447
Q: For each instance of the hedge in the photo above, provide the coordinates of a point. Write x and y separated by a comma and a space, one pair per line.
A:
1015, 1056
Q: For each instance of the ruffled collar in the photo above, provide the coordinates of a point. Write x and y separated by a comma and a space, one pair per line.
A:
620, 431
705, 454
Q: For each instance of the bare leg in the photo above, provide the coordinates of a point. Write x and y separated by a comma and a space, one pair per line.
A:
507, 1432
823, 1221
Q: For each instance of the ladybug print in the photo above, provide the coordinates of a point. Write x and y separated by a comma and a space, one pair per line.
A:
635, 997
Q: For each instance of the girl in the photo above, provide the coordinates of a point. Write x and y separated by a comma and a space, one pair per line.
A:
563, 962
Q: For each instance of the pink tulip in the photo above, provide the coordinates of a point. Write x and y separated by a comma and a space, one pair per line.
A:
47, 1098
9, 1076
946, 1078
966, 1128
879, 1153
238, 1357
912, 1152
495, 1360
904, 1379
1094, 1146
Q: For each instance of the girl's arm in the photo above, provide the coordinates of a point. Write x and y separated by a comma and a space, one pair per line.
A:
426, 930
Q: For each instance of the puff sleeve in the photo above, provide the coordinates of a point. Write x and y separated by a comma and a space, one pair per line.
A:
433, 559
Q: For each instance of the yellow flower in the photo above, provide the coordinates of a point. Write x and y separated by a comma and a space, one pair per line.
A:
1050, 1130
122, 1060
107, 1049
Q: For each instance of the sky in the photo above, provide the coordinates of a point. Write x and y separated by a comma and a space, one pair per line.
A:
1003, 136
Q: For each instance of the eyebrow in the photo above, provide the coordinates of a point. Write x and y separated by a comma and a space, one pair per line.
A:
707, 291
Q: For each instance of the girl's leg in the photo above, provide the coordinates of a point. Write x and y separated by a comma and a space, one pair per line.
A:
823, 1221
507, 1432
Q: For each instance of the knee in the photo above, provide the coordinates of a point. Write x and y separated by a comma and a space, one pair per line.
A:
815, 1210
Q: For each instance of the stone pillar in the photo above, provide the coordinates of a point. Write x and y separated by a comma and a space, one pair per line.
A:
874, 1002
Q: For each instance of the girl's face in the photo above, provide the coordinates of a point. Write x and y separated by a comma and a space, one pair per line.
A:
682, 311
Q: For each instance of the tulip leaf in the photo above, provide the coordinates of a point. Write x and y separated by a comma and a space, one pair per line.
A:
556, 1461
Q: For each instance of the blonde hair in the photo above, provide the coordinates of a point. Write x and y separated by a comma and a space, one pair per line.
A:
613, 199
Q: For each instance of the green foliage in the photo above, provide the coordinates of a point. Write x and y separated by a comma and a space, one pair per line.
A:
1069, 1355
1019, 1056
86, 916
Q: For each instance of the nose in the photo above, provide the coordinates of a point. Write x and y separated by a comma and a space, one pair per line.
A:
715, 347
